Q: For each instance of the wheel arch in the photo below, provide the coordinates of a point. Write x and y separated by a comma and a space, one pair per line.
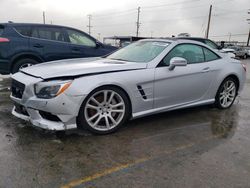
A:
116, 86
129, 113
217, 100
18, 57
233, 76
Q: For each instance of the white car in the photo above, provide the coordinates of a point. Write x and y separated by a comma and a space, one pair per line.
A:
248, 50
146, 77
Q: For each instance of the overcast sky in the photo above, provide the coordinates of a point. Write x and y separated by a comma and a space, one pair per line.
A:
159, 18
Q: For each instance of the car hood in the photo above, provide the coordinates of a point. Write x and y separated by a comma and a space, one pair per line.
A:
228, 50
226, 54
80, 67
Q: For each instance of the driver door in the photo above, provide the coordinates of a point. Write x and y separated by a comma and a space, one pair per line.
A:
182, 85
82, 45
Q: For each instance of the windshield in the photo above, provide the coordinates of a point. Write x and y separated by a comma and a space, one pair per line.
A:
141, 51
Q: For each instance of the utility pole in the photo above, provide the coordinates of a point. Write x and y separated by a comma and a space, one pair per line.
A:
151, 36
248, 38
138, 21
249, 30
209, 19
229, 37
43, 17
89, 26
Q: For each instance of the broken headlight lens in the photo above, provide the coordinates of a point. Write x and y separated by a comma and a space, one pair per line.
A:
51, 89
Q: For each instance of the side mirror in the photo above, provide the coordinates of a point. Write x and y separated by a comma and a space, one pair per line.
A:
177, 61
98, 44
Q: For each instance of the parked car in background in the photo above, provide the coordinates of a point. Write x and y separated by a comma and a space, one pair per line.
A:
240, 52
211, 44
146, 77
247, 48
121, 41
23, 45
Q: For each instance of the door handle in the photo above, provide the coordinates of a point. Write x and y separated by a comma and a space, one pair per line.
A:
207, 69
75, 49
38, 46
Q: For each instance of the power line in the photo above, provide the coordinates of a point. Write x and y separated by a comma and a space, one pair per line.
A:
147, 7
133, 11
231, 12
203, 29
170, 4
128, 11
237, 34
173, 9
227, 10
164, 20
174, 19
118, 15
108, 25
115, 13
154, 21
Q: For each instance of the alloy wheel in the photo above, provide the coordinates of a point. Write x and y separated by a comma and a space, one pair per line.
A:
227, 94
25, 65
104, 110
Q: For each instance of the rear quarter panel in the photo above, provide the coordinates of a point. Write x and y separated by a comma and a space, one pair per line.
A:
225, 68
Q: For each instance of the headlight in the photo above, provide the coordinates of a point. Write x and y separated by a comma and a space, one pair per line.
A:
51, 89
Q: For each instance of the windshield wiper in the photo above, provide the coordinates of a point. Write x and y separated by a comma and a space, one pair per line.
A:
122, 59
118, 59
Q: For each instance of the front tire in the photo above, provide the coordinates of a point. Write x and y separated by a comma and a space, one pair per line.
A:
23, 63
226, 93
104, 110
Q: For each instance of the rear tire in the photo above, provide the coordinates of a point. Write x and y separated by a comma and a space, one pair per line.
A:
226, 93
104, 110
23, 63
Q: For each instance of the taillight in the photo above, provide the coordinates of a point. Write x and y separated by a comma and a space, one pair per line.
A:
4, 39
244, 67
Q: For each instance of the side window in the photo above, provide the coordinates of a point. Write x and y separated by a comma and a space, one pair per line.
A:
23, 30
191, 52
211, 44
34, 33
209, 55
48, 33
76, 37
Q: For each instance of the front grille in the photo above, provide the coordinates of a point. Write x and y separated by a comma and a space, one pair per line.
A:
17, 89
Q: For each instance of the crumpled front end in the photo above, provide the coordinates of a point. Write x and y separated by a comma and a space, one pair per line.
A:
56, 114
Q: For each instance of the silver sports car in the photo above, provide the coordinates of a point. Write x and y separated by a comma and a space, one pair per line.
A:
146, 77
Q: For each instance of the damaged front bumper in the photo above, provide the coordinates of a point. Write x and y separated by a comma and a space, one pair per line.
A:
54, 114
37, 120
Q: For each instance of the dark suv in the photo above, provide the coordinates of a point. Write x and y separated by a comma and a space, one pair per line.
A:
22, 45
